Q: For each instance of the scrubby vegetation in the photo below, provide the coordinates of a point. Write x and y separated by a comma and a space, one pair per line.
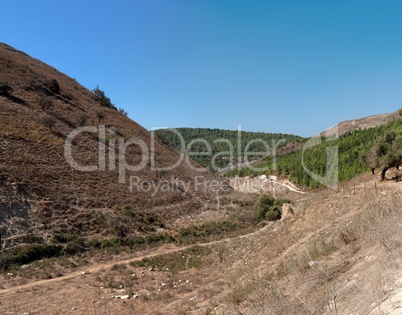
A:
351, 147
48, 122
27, 254
81, 120
53, 86
101, 98
190, 258
4, 89
222, 143
270, 208
45, 103
100, 116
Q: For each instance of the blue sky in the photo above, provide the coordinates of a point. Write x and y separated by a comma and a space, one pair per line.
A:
273, 66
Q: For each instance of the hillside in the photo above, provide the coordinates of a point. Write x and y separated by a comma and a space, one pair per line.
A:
219, 148
43, 195
338, 252
349, 146
361, 123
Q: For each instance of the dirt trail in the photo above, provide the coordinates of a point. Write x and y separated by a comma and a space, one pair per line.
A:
94, 268
263, 184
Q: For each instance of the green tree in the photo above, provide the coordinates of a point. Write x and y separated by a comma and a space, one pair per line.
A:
385, 153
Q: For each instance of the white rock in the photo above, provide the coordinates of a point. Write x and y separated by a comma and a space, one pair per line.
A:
124, 297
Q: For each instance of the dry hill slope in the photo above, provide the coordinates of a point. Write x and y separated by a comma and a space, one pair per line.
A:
338, 253
42, 194
361, 123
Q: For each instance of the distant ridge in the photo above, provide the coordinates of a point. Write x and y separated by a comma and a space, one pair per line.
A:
360, 123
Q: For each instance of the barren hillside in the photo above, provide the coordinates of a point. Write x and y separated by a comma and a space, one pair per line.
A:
42, 194
360, 123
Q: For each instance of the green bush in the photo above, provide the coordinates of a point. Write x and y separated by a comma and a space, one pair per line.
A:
64, 238
274, 213
113, 242
95, 243
264, 203
74, 247
270, 208
208, 228
27, 254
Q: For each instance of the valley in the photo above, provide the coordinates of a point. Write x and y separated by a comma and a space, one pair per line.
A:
100, 216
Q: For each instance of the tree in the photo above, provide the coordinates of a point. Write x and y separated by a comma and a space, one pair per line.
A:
385, 153
370, 160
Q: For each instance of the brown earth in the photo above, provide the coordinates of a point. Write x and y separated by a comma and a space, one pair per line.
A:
360, 123
42, 194
338, 252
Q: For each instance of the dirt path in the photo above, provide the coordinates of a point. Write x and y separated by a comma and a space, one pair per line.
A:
95, 268
262, 185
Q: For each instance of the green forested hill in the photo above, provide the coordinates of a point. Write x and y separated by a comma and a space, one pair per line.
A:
218, 145
350, 147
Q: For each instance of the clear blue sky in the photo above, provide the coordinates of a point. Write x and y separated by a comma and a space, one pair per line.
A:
276, 66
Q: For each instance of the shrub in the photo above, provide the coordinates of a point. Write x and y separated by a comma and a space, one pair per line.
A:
95, 243
49, 122
208, 228
53, 86
101, 116
264, 203
45, 103
101, 97
273, 214
270, 208
82, 120
4, 89
113, 242
123, 112
27, 254
74, 247
64, 238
